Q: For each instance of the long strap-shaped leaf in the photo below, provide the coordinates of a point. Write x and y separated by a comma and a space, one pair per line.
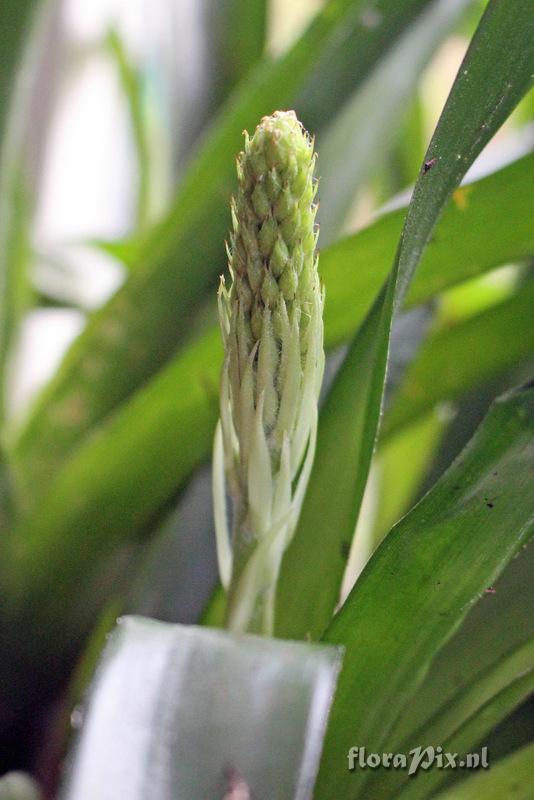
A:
142, 324
355, 267
495, 74
421, 582
455, 359
17, 17
511, 777
353, 270
239, 34
365, 126
462, 723
176, 430
176, 434
472, 733
500, 624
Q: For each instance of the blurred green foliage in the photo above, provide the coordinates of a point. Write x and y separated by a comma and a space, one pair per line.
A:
93, 473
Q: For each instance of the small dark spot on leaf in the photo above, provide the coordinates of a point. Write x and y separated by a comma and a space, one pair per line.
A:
489, 505
525, 386
344, 548
428, 165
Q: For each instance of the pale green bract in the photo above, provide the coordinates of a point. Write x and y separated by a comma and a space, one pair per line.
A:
272, 329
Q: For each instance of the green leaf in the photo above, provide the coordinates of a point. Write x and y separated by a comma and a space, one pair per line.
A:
420, 583
516, 731
17, 17
15, 254
132, 85
364, 131
511, 777
503, 621
140, 327
397, 472
411, 143
494, 75
455, 359
83, 528
354, 268
461, 724
160, 423
340, 66
158, 691
481, 723
173, 430
328, 515
17, 22
480, 224
239, 33
402, 463
214, 614
70, 555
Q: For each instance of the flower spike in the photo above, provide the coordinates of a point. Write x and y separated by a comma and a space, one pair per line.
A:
272, 329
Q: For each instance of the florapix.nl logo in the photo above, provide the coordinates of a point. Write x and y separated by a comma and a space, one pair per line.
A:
419, 758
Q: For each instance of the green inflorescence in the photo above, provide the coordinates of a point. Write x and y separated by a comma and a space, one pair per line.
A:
271, 322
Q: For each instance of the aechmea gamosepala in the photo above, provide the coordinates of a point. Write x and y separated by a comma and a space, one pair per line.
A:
272, 329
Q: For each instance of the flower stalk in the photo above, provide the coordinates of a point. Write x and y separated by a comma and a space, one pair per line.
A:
272, 330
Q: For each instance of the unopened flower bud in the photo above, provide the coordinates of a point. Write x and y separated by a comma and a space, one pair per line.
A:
272, 329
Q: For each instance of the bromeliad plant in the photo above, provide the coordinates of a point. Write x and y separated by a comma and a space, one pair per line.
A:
436, 632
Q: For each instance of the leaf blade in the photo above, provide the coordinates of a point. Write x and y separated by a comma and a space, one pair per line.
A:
482, 96
512, 776
159, 690
457, 358
364, 131
139, 328
462, 725
472, 218
415, 591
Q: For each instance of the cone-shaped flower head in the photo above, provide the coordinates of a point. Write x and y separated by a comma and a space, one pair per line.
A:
271, 322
